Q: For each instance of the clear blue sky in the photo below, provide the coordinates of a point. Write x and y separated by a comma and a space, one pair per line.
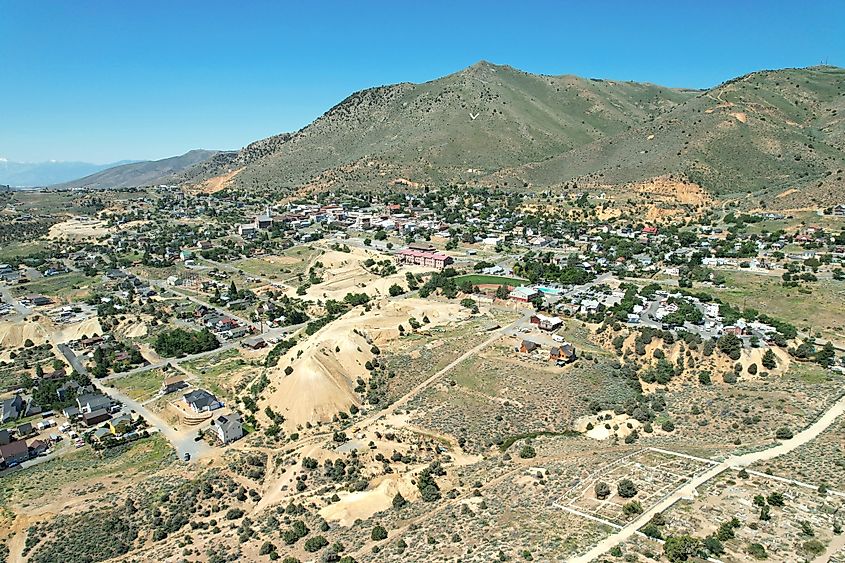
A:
107, 80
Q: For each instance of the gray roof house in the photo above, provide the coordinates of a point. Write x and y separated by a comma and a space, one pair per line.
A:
11, 409
228, 427
91, 402
201, 400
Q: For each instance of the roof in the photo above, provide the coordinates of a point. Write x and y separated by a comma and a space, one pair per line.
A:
94, 414
13, 449
528, 345
94, 401
173, 380
200, 397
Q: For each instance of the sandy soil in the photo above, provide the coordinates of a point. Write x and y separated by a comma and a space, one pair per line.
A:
78, 229
327, 365
217, 183
343, 272
364, 504
14, 334
75, 331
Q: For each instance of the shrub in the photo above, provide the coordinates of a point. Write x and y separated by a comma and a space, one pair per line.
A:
632, 508
379, 533
527, 452
602, 490
315, 544
626, 488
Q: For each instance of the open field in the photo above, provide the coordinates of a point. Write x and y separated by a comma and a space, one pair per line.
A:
80, 469
139, 386
284, 266
71, 286
223, 374
482, 279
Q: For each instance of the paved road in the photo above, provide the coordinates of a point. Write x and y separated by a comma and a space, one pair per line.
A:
687, 491
183, 442
10, 299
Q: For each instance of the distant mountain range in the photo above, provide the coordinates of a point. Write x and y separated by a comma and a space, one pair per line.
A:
143, 173
778, 136
32, 174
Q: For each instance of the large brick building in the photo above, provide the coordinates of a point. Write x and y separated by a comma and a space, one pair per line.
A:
427, 258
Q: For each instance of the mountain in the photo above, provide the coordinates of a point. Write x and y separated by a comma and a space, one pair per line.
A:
779, 135
144, 173
32, 174
769, 138
457, 128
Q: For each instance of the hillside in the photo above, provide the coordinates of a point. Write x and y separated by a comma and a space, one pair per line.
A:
142, 173
456, 128
777, 134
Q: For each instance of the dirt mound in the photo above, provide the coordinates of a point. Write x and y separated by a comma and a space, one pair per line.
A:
75, 331
216, 183
327, 365
78, 229
364, 504
14, 334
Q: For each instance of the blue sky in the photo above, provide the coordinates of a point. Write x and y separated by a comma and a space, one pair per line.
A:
101, 81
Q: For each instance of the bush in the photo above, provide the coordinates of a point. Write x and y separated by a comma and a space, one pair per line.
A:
681, 548
315, 544
632, 508
757, 551
668, 426
379, 533
602, 490
626, 488
527, 452
783, 433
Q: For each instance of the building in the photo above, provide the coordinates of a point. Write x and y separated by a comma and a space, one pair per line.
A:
528, 346
91, 402
95, 417
121, 424
426, 258
228, 427
563, 354
201, 400
5, 437
37, 447
11, 409
254, 343
14, 452
523, 294
546, 323
172, 384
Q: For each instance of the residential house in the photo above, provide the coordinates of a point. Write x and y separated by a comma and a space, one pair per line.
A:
5, 437
91, 402
528, 346
565, 353
254, 343
172, 384
121, 424
25, 429
546, 323
228, 427
11, 409
14, 452
95, 417
37, 447
201, 400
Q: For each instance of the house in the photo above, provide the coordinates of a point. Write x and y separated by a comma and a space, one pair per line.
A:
91, 402
101, 433
565, 353
11, 409
424, 258
70, 412
523, 294
14, 452
247, 230
37, 447
546, 323
121, 424
95, 417
67, 389
527, 346
254, 343
172, 384
39, 300
5, 437
228, 427
25, 429
839, 210
201, 400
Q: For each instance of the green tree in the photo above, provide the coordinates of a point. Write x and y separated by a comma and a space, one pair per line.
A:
681, 548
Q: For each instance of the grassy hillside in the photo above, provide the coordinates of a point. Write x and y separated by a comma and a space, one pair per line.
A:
457, 128
766, 133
